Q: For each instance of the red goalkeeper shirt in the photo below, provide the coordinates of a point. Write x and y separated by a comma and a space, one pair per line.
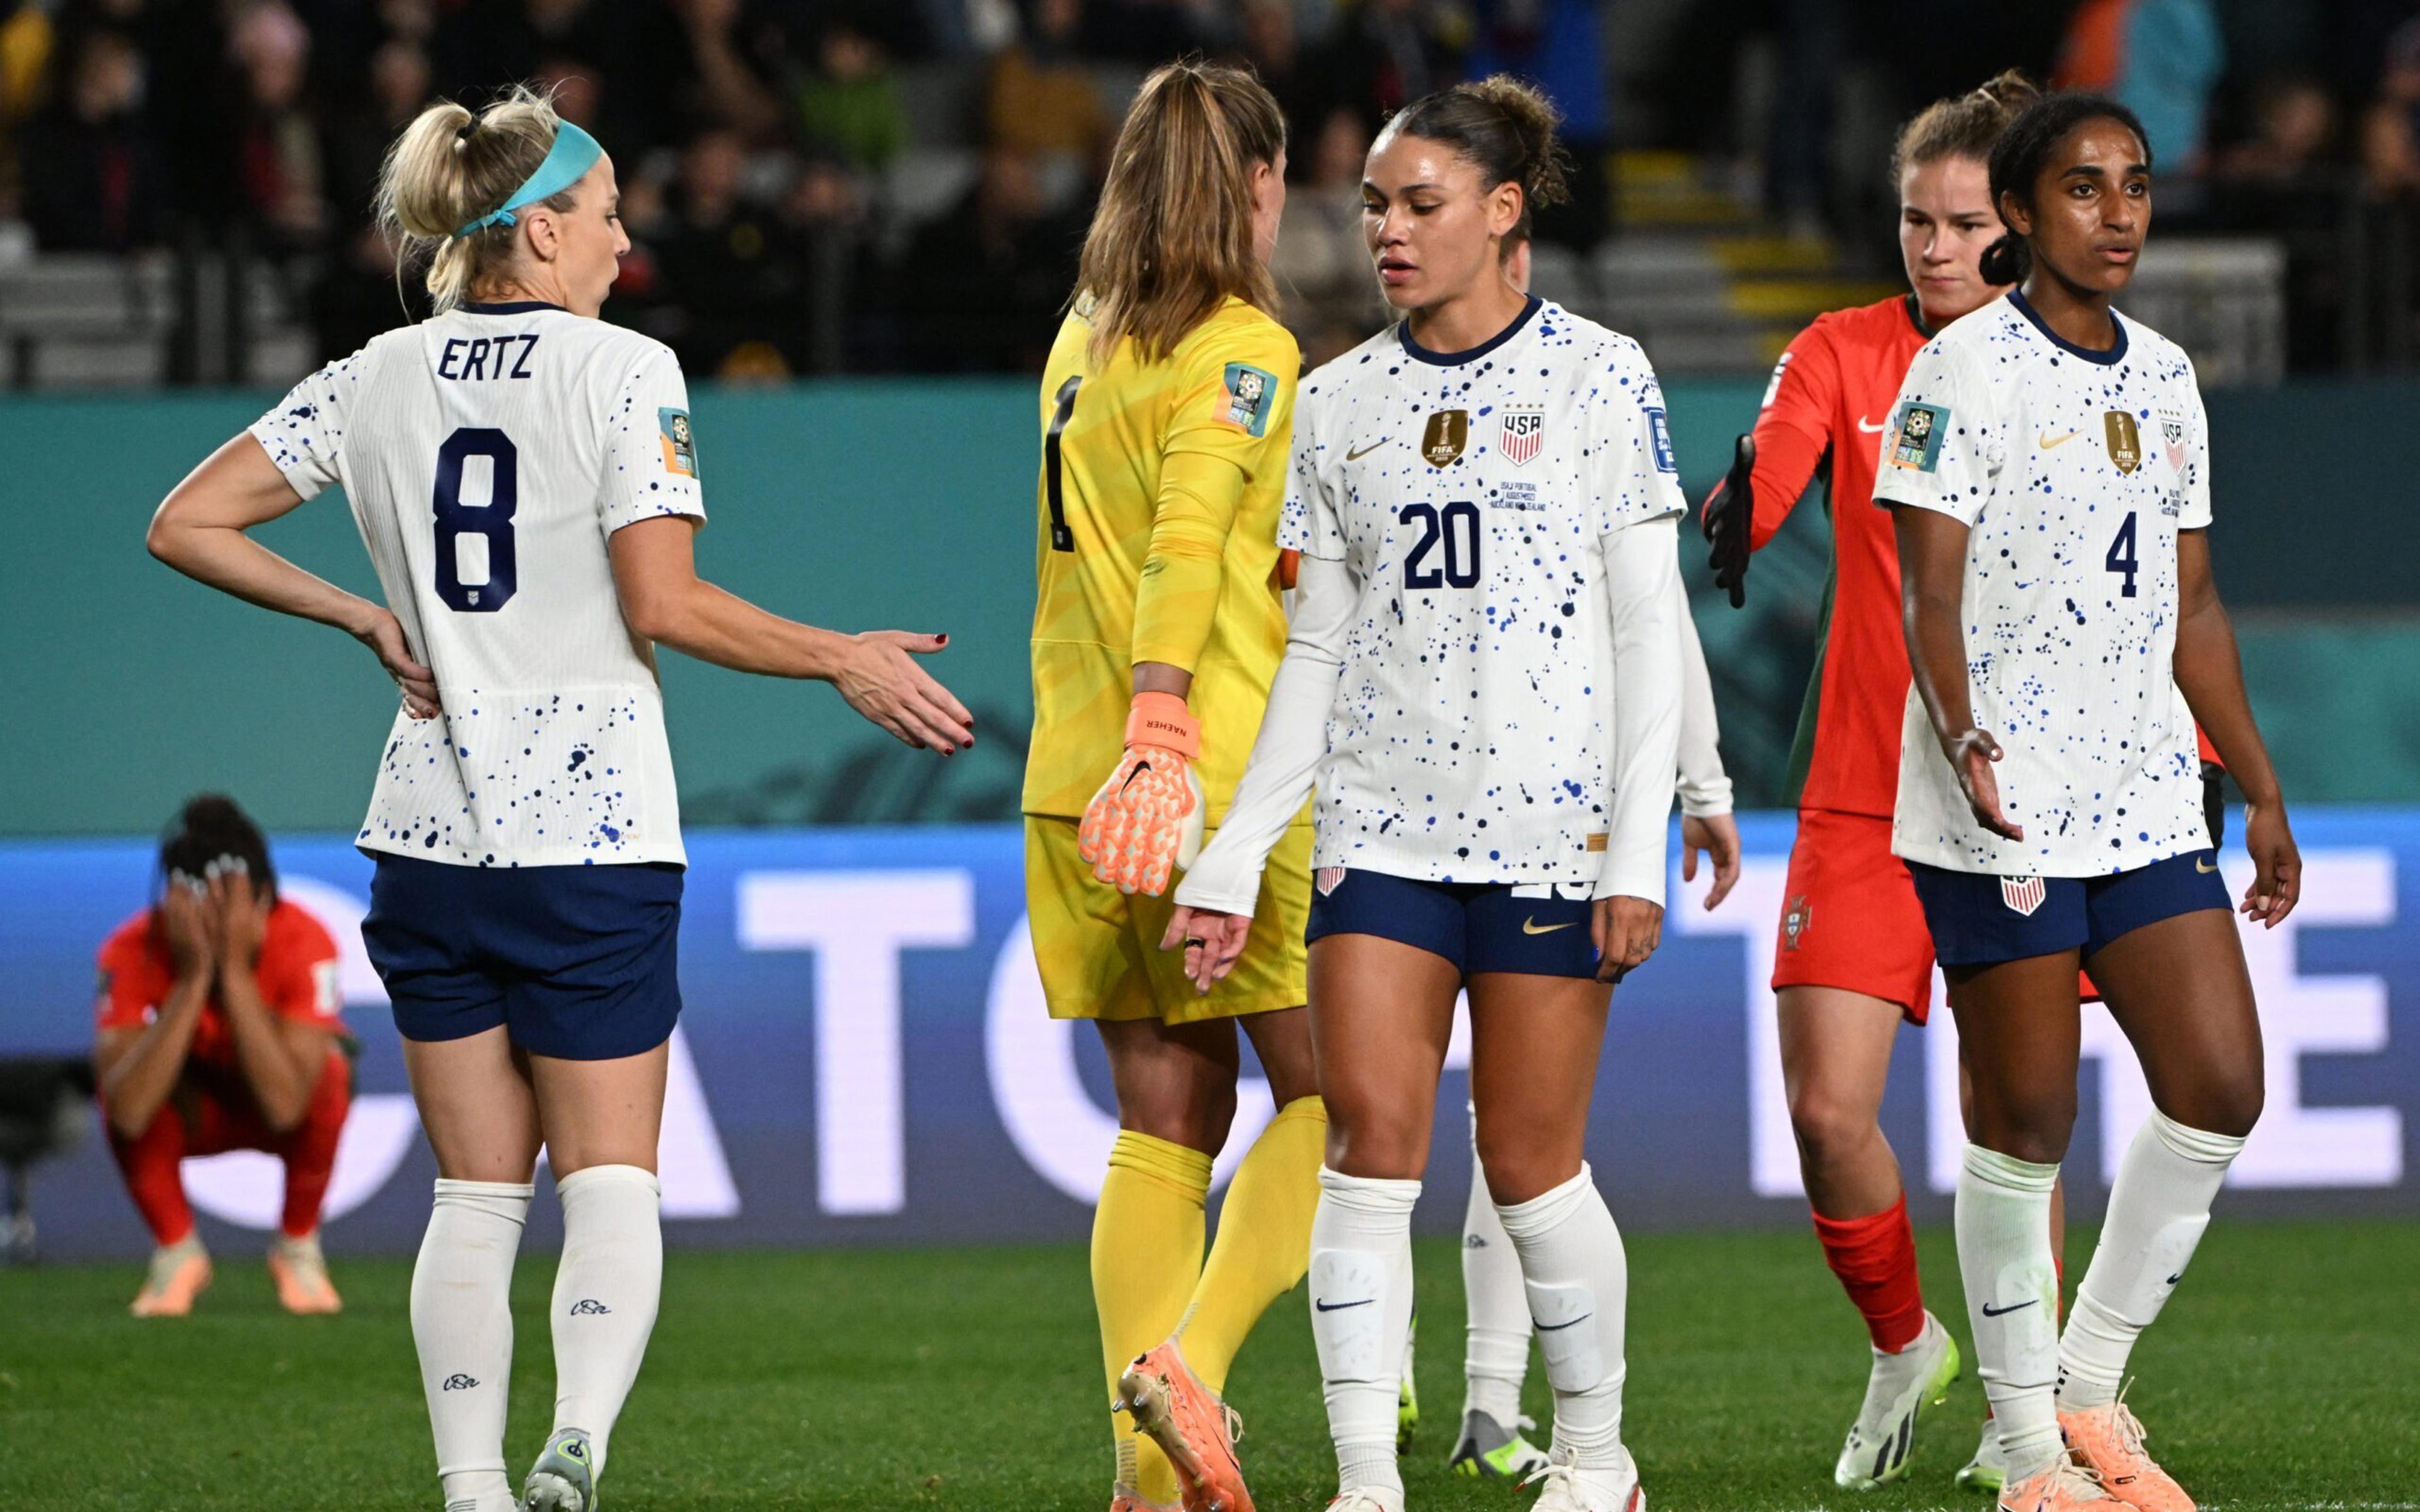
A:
1825, 409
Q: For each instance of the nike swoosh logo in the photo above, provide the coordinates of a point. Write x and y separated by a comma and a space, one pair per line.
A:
2173, 1279
1556, 1328
1868, 426
1530, 926
1141, 768
2204, 866
1355, 456
1990, 1311
2046, 442
1334, 1306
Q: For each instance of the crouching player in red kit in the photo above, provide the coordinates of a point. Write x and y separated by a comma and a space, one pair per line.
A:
1853, 958
218, 1031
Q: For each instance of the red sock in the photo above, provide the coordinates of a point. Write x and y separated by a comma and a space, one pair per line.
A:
309, 1150
150, 1164
1874, 1257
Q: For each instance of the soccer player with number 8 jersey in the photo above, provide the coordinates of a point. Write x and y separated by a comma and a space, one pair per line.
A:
2047, 467
525, 477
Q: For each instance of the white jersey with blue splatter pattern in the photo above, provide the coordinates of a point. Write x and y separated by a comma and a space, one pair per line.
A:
1471, 495
2075, 471
487, 454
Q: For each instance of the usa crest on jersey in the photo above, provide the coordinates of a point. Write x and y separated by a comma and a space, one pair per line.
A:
2024, 894
1524, 433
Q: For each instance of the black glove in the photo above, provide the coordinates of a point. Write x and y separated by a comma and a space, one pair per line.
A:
2213, 802
1730, 515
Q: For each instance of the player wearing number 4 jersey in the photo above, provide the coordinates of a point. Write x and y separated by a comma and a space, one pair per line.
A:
2047, 467
526, 480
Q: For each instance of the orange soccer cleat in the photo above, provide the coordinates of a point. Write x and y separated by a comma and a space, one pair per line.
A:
2110, 1440
2063, 1486
1187, 1420
179, 1272
300, 1272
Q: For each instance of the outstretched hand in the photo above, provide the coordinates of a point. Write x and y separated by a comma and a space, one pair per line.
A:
1213, 943
882, 681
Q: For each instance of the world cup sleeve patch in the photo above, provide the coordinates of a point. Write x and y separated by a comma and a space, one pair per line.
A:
1659, 436
1916, 442
1250, 394
680, 442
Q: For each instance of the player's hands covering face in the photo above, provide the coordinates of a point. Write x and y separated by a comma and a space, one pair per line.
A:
184, 918
238, 915
1626, 931
1213, 943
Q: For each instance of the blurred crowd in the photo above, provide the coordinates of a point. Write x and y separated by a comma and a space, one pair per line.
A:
847, 185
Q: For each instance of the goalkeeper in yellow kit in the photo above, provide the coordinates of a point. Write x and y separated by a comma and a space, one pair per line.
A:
1166, 416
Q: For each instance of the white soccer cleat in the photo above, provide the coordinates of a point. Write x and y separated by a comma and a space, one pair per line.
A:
565, 1477
1903, 1388
1569, 1487
1368, 1500
1987, 1471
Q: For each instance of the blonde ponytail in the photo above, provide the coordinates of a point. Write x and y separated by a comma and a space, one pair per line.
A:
448, 168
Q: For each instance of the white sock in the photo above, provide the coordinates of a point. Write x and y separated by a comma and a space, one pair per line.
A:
1496, 1349
1361, 1309
1578, 1283
605, 1295
2011, 1299
462, 1325
2157, 1212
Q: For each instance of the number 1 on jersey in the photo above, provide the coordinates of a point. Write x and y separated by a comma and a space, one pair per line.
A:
493, 522
2121, 556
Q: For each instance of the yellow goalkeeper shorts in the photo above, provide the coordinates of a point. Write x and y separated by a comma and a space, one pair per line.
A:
1098, 949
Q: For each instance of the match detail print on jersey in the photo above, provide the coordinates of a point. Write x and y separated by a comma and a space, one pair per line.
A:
1918, 445
1250, 394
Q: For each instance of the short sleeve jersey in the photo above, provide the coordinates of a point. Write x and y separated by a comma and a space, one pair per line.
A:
1228, 391
2075, 469
1470, 494
297, 974
489, 453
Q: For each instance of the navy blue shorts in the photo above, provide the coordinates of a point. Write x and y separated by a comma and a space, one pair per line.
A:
1477, 926
1978, 920
576, 962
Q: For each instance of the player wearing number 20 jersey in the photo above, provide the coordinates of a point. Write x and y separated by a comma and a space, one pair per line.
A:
509, 441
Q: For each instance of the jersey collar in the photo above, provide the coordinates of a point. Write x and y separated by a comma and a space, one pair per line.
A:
1420, 353
2109, 358
508, 307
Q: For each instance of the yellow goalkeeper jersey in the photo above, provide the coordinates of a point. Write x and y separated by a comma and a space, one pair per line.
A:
1156, 540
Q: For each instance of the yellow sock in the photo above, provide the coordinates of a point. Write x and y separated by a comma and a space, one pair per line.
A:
1146, 1256
1263, 1238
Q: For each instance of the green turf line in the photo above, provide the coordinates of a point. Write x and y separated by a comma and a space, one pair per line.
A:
2280, 1379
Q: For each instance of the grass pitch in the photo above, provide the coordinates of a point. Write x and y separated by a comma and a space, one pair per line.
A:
2281, 1378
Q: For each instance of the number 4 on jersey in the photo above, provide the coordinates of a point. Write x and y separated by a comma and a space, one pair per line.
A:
2121, 556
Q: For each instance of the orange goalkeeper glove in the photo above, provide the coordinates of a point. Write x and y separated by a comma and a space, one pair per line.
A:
1146, 820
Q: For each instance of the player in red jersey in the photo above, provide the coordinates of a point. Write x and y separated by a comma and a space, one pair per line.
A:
1853, 958
218, 1031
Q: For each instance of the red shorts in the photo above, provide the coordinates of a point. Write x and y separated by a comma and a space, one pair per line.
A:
1848, 915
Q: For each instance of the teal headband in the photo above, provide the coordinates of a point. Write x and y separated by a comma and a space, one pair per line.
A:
573, 154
